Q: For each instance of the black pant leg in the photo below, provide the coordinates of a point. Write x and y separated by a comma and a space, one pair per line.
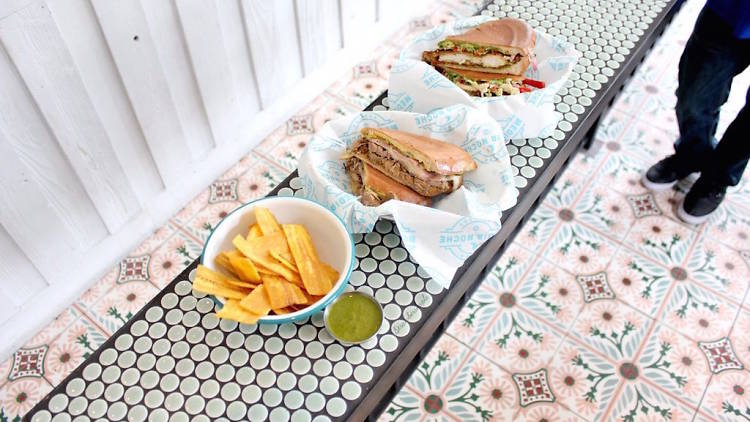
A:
728, 161
709, 62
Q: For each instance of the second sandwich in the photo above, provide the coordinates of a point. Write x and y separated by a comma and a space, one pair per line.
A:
422, 165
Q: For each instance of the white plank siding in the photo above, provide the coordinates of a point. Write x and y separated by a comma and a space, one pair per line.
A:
129, 38
174, 61
238, 54
114, 114
272, 34
79, 28
208, 53
43, 200
355, 15
317, 21
39, 52
21, 279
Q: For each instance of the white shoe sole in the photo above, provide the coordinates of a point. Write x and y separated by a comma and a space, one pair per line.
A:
691, 219
656, 187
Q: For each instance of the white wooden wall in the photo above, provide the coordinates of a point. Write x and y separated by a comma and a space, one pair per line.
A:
113, 114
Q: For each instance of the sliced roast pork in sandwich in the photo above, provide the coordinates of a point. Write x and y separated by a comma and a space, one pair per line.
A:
488, 60
374, 187
428, 166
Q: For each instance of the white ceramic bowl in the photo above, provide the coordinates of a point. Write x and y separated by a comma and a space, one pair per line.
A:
333, 242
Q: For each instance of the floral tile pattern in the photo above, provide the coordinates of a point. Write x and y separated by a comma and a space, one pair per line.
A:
605, 306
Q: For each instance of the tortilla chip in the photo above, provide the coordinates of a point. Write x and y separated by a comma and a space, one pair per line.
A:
205, 286
283, 311
316, 282
275, 254
232, 310
257, 250
266, 221
254, 232
222, 260
244, 268
257, 301
282, 293
330, 272
221, 279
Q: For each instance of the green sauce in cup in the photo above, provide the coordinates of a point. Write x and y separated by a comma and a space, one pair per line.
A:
354, 317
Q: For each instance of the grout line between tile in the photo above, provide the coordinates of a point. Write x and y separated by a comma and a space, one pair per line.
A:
93, 321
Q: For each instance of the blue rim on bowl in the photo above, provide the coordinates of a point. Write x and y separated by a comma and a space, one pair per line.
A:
318, 306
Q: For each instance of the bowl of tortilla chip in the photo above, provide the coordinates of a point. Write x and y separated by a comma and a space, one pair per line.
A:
275, 260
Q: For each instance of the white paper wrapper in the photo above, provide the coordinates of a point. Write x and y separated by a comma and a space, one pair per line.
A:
439, 238
418, 87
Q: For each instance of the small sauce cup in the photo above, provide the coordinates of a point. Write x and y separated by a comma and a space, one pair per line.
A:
353, 317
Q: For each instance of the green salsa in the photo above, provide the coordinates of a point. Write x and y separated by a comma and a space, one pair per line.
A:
354, 317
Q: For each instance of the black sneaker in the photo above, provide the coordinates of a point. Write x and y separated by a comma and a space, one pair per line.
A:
664, 174
701, 201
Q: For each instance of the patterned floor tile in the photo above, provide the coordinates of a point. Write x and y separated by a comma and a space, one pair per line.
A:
605, 210
154, 240
517, 341
727, 398
552, 294
582, 381
740, 194
719, 268
661, 239
646, 141
730, 225
740, 337
366, 82
579, 249
648, 95
509, 270
566, 191
100, 288
19, 396
623, 173
698, 313
638, 281
481, 391
436, 372
538, 229
475, 316
201, 226
285, 144
611, 328
612, 129
259, 180
640, 401
58, 325
182, 248
66, 352
586, 162
675, 363
120, 304
408, 405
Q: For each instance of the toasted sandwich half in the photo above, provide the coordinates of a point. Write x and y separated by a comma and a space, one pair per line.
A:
428, 166
501, 46
374, 187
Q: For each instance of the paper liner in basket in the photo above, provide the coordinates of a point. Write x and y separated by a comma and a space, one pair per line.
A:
439, 238
416, 86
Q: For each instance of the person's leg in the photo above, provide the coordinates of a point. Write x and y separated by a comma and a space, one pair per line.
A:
712, 58
724, 167
707, 65
730, 157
